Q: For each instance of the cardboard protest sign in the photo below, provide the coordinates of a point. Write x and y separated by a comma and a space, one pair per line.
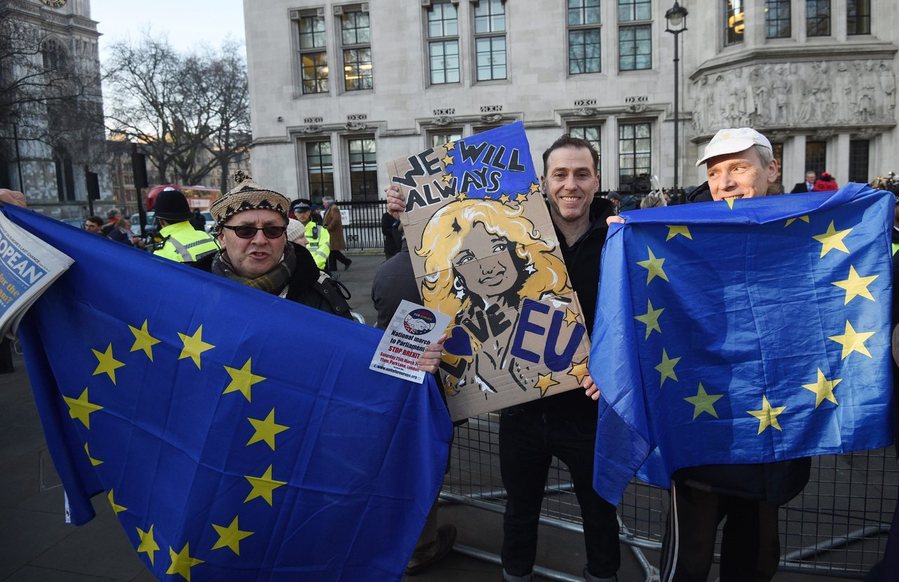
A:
485, 253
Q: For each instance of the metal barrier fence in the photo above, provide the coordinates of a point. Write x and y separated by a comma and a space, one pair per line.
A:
363, 230
836, 527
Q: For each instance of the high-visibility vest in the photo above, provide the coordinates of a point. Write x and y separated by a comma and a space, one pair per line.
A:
185, 244
318, 243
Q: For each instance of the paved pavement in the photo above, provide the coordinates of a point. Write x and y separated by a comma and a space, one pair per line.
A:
36, 545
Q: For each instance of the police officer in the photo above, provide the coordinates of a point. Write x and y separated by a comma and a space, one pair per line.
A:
181, 241
317, 236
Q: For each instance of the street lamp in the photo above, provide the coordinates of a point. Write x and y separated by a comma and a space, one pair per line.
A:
676, 23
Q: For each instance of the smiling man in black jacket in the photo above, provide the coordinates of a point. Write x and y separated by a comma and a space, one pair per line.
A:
562, 426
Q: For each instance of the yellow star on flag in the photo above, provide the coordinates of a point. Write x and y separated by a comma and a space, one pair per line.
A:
823, 388
116, 508
856, 286
242, 379
579, 370
545, 382
521, 198
570, 316
651, 319
106, 363
703, 402
230, 536
446, 178
678, 229
449, 145
666, 367
81, 408
803, 218
266, 430
263, 486
94, 462
147, 543
143, 340
653, 266
730, 202
505, 199
447, 160
832, 240
182, 562
534, 188
852, 341
461, 196
194, 346
767, 415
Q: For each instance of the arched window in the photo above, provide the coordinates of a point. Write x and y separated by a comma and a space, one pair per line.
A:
54, 55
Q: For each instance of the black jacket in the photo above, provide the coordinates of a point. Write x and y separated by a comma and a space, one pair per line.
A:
307, 284
582, 262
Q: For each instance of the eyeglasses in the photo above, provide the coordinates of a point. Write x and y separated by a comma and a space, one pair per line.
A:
247, 231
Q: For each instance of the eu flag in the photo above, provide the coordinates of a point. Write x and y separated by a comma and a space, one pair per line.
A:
235, 434
743, 332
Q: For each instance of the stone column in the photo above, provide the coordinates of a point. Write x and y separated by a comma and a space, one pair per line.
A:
838, 157
793, 170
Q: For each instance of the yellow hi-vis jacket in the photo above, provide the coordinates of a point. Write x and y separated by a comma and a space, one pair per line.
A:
185, 244
318, 243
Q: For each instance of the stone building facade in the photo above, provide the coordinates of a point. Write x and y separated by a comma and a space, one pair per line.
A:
50, 143
338, 89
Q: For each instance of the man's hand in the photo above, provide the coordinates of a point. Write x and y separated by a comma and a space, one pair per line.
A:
590, 388
13, 197
614, 220
396, 201
429, 361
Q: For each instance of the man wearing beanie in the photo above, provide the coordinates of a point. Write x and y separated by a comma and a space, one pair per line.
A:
181, 241
251, 222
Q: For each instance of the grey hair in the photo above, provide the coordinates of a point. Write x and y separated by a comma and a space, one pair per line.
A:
765, 154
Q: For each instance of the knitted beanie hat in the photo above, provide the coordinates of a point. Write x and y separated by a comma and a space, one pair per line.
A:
247, 195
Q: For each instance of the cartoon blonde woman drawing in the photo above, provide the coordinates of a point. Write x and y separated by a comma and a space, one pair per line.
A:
483, 258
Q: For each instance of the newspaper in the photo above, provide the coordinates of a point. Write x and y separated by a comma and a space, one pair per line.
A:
28, 266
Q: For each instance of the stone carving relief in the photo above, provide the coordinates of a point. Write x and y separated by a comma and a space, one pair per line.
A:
795, 94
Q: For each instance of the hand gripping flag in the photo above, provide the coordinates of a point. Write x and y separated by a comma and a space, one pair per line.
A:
743, 332
236, 435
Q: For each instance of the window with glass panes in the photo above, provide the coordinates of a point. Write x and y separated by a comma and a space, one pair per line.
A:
355, 40
363, 169
583, 37
319, 169
634, 35
816, 156
858, 17
590, 133
438, 138
817, 17
490, 40
313, 53
858, 160
634, 154
443, 43
733, 21
777, 19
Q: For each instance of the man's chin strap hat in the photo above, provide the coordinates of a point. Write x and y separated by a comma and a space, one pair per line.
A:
732, 141
247, 195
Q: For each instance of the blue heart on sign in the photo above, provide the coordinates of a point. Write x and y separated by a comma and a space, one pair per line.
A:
458, 343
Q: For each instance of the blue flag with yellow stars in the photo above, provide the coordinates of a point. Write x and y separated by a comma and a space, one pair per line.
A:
743, 332
235, 434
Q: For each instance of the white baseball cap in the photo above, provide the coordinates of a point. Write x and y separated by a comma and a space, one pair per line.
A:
731, 141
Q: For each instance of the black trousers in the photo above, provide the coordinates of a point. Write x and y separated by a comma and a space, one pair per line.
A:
337, 256
750, 546
527, 443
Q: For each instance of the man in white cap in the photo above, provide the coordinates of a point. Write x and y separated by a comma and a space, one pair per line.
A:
739, 164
